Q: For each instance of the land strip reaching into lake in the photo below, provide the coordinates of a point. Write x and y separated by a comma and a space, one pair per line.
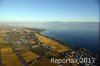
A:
22, 46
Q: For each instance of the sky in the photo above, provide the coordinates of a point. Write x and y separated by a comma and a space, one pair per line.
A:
49, 10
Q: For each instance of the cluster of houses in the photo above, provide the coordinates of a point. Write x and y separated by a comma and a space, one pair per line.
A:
27, 39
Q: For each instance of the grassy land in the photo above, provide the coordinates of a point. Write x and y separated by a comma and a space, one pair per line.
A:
3, 42
28, 55
9, 58
52, 43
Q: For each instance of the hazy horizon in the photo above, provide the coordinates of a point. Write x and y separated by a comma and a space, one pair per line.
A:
46, 24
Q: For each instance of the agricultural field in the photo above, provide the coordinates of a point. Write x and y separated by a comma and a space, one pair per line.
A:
52, 43
45, 62
28, 47
9, 58
28, 55
14, 50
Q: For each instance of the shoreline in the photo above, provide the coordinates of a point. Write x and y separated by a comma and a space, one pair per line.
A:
68, 45
34, 44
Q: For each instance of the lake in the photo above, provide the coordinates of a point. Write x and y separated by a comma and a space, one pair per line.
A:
84, 35
78, 34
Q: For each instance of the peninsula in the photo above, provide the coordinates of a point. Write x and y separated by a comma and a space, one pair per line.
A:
23, 46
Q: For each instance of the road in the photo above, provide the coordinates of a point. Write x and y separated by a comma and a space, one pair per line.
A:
20, 57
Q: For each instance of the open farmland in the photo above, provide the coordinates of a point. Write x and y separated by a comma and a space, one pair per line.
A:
27, 47
9, 58
53, 44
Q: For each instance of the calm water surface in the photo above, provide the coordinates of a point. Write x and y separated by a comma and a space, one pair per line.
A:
83, 35
78, 34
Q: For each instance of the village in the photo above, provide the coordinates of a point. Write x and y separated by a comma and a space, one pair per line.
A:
22, 46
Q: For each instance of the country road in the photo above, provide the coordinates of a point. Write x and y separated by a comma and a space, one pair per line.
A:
20, 57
